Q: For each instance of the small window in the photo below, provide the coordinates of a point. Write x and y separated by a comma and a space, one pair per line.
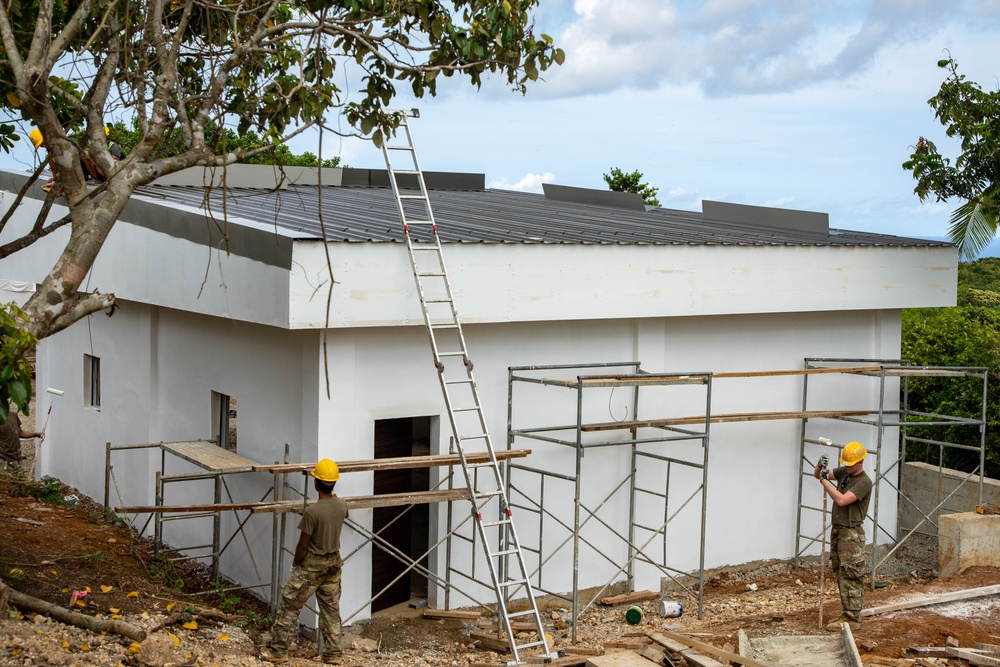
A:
92, 381
224, 415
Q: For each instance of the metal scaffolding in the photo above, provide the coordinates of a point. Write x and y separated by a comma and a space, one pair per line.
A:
892, 377
217, 463
288, 497
664, 473
651, 442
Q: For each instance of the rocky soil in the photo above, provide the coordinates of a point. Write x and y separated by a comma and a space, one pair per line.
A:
51, 548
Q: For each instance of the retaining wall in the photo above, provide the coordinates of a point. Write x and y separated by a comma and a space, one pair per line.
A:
924, 487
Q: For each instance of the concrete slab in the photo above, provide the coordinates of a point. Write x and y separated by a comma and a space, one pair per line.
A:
967, 539
619, 659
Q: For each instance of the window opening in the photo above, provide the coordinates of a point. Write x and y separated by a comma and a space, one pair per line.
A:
224, 411
92, 381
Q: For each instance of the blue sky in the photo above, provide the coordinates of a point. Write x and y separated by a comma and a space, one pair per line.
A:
791, 103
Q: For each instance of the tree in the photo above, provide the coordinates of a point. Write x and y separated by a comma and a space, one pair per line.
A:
186, 68
973, 115
966, 335
619, 181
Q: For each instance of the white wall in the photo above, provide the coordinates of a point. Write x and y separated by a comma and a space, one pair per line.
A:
513, 282
159, 368
140, 265
752, 503
279, 380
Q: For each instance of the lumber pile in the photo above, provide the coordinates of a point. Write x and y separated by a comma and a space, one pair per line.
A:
952, 654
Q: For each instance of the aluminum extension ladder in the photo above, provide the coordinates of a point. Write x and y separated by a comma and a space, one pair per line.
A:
461, 396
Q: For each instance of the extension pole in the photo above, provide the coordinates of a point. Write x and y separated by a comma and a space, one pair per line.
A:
822, 563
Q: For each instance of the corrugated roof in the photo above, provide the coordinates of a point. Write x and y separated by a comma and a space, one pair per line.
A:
369, 214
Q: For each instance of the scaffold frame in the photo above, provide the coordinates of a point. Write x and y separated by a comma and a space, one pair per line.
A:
881, 418
591, 376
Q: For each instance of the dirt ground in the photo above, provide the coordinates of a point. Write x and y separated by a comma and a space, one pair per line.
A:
51, 548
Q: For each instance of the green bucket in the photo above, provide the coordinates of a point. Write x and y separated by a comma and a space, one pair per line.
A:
633, 615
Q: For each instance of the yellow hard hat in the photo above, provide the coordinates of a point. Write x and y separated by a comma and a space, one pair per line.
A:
853, 452
36, 137
326, 471
106, 131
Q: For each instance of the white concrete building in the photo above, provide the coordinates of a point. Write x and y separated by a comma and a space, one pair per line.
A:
234, 301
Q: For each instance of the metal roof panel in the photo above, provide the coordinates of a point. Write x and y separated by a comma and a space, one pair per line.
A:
369, 215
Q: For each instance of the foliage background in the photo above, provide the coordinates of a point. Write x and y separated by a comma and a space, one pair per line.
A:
966, 335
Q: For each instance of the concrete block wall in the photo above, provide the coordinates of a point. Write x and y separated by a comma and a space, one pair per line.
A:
924, 487
967, 539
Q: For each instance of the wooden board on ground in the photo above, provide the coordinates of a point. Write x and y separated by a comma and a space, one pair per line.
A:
975, 657
703, 647
954, 596
692, 656
460, 614
491, 642
630, 598
619, 659
928, 651
565, 661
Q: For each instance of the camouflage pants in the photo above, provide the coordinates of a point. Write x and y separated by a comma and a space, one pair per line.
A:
847, 556
319, 575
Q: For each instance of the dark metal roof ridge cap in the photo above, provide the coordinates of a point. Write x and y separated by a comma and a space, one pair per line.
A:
591, 197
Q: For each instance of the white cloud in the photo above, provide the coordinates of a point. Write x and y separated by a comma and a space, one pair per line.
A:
740, 47
530, 182
780, 202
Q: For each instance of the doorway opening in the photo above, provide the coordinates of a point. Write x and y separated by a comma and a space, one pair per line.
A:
405, 528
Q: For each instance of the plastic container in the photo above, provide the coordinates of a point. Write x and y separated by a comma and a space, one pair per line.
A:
671, 609
633, 615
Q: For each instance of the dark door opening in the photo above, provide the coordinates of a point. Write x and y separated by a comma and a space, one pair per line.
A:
405, 528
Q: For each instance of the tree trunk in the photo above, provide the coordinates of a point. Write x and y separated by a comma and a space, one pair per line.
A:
4, 592
63, 615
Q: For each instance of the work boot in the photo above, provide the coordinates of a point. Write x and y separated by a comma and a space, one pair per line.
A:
268, 653
834, 626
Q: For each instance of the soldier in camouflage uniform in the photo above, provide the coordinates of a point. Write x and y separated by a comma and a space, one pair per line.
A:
11, 433
850, 488
316, 568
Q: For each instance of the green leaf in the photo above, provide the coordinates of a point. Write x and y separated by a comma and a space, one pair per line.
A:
19, 393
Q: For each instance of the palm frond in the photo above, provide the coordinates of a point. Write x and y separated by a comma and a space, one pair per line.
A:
974, 224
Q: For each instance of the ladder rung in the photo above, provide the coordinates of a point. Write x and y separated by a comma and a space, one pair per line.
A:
505, 552
474, 437
516, 614
459, 382
529, 644
399, 148
419, 222
451, 354
431, 275
412, 197
475, 409
492, 524
437, 300
512, 582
